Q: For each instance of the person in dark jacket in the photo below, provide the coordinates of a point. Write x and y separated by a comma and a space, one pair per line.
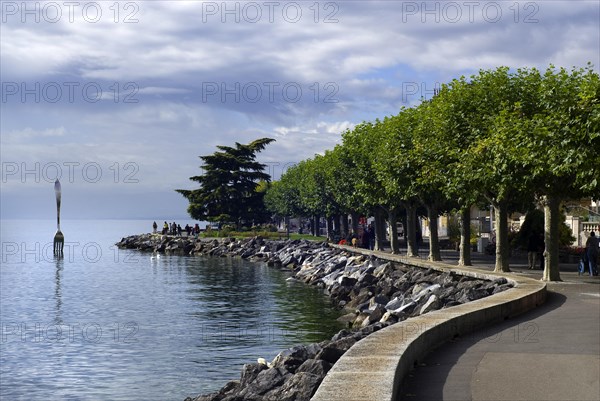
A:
533, 248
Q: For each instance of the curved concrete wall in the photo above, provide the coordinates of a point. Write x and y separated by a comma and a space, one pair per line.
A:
373, 369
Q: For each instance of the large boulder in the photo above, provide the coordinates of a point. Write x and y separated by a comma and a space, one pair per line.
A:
346, 281
292, 358
380, 299
265, 381
335, 349
432, 303
299, 387
250, 372
317, 367
375, 315
383, 270
395, 303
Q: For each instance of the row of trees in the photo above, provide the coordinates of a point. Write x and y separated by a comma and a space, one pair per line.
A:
509, 138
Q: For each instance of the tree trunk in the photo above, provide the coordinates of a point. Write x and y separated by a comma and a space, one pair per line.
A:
501, 237
345, 225
404, 225
337, 227
355, 217
551, 239
316, 226
434, 242
392, 218
412, 249
330, 228
379, 230
465, 237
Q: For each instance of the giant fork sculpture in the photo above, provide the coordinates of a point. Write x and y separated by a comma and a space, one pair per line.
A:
59, 238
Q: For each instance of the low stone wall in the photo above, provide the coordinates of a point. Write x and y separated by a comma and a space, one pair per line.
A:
373, 369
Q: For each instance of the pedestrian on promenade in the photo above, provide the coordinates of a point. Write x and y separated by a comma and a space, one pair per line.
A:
354, 239
583, 262
533, 247
364, 238
591, 246
371, 237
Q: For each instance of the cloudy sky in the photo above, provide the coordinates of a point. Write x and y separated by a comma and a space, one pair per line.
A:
120, 98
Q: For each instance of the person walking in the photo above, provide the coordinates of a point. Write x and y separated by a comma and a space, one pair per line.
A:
364, 238
542, 250
591, 247
583, 262
533, 245
371, 237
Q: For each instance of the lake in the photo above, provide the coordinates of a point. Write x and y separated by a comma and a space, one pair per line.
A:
109, 324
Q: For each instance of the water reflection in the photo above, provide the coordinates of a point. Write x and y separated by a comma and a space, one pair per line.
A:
233, 289
59, 266
250, 304
314, 312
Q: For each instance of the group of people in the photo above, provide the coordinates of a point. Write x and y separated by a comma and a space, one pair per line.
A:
589, 257
175, 229
588, 261
366, 239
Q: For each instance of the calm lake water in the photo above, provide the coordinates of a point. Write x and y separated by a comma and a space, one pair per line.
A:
109, 324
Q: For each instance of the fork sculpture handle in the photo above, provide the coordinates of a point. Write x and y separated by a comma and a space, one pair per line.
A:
57, 192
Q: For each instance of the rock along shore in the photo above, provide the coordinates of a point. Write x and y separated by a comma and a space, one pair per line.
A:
375, 293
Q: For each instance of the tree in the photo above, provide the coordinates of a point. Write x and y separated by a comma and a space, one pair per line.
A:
362, 145
493, 161
376, 175
228, 188
302, 191
561, 139
342, 174
534, 226
282, 200
397, 171
431, 158
452, 114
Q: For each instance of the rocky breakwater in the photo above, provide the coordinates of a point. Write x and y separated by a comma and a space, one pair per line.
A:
275, 252
375, 293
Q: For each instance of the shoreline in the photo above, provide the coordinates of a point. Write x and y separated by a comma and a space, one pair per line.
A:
374, 292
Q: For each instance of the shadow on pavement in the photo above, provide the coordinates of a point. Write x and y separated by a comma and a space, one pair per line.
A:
427, 381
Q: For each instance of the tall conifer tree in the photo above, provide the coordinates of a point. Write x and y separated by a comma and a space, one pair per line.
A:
228, 188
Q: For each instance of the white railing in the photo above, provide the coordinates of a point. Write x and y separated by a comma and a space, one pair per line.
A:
589, 226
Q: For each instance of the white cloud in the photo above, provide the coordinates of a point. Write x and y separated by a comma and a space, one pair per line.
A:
28, 133
364, 62
154, 90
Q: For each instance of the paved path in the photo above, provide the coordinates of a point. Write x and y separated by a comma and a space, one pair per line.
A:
550, 353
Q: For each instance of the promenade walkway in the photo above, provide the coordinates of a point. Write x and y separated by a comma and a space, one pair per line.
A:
549, 353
